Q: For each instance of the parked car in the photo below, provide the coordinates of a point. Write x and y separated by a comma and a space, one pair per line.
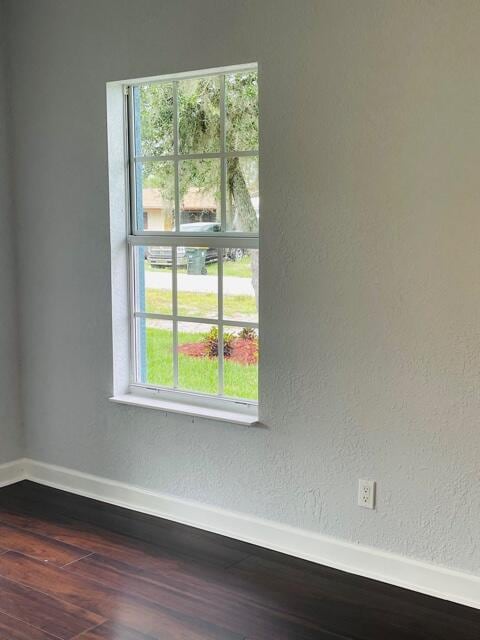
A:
162, 256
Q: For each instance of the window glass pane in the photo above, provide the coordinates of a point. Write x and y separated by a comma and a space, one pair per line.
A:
199, 115
242, 194
154, 340
241, 106
240, 284
240, 366
153, 279
200, 196
197, 282
153, 105
155, 196
198, 357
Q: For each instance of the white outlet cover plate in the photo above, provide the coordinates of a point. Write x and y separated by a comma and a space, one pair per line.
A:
366, 493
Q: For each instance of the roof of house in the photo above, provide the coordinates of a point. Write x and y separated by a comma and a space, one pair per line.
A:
193, 199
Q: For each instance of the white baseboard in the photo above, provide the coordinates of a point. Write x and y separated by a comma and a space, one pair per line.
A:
11, 472
394, 569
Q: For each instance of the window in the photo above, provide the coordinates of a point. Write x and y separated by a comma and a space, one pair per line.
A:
193, 239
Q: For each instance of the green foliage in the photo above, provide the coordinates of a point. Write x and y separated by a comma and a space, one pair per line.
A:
248, 333
241, 90
156, 119
199, 115
203, 175
211, 340
160, 175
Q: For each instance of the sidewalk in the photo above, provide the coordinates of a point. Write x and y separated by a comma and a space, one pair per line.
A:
232, 285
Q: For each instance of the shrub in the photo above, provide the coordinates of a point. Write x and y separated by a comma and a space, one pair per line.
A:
211, 341
248, 333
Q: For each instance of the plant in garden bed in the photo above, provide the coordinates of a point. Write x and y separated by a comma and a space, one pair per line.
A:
241, 348
248, 333
211, 341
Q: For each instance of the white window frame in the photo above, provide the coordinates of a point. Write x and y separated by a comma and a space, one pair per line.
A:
174, 399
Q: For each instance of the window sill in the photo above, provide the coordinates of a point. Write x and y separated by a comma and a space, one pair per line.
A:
170, 406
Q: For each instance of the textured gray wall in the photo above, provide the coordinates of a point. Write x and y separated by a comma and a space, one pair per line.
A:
370, 153
10, 428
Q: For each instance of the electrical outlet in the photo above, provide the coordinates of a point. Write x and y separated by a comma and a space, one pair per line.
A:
366, 494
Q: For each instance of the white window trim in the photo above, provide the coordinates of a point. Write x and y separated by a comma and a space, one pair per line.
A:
126, 390
189, 405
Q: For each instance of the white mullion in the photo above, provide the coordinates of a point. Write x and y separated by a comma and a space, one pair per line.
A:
133, 316
223, 217
195, 319
220, 322
166, 316
177, 228
177, 197
223, 168
175, 156
215, 240
132, 225
240, 323
132, 168
208, 155
175, 318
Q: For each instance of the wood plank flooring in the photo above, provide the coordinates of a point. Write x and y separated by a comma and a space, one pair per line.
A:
73, 568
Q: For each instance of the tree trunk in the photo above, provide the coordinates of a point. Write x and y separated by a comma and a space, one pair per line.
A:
243, 212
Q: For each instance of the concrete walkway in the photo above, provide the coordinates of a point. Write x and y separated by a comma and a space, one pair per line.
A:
232, 285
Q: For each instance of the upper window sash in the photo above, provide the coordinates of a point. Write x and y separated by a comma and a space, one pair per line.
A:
174, 157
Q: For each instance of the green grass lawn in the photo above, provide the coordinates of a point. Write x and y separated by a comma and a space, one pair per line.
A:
196, 374
202, 305
205, 305
240, 268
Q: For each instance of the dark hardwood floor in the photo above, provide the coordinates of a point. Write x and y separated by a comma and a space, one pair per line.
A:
71, 567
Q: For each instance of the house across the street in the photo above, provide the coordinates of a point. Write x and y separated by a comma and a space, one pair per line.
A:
196, 206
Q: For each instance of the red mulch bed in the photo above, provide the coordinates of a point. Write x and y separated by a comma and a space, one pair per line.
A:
243, 351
